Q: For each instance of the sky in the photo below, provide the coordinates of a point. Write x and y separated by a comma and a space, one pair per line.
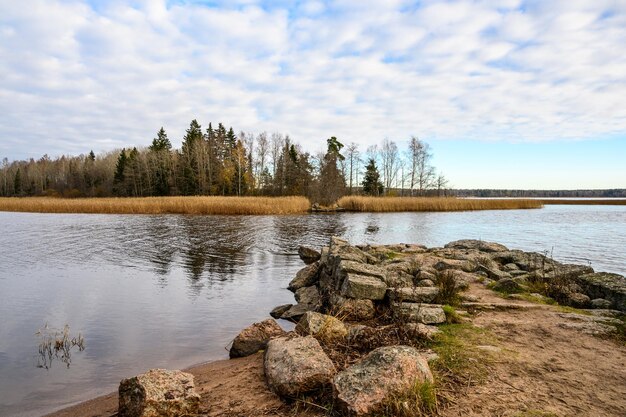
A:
508, 93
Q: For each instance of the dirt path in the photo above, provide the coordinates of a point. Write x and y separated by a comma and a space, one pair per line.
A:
545, 365
548, 366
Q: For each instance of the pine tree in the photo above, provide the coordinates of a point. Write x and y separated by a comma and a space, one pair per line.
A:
119, 186
371, 183
332, 182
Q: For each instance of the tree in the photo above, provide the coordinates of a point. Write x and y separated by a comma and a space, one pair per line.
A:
371, 182
389, 154
190, 163
422, 173
119, 186
161, 161
352, 158
332, 181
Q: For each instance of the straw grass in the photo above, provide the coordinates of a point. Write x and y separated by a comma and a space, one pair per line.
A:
396, 204
586, 202
159, 205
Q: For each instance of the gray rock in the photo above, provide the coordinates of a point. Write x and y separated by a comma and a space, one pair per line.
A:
454, 264
578, 300
362, 388
413, 294
363, 287
294, 366
305, 277
477, 244
254, 338
308, 295
420, 313
510, 267
422, 331
308, 255
493, 273
158, 393
278, 311
322, 326
350, 267
611, 287
600, 303
296, 312
424, 274
508, 285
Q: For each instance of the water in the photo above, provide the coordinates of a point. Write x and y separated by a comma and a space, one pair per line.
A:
172, 291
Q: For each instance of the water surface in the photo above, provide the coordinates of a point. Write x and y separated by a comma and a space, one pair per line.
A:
172, 291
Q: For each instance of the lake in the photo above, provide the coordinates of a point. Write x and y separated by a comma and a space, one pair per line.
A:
172, 291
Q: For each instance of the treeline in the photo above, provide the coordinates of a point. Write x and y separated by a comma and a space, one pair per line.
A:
217, 161
612, 193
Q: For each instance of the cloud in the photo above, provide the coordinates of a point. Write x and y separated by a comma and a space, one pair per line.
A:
76, 75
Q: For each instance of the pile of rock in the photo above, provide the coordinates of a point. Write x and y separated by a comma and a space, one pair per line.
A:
345, 293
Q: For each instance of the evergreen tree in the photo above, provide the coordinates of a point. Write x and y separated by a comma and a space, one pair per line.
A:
332, 182
161, 161
189, 159
371, 183
119, 186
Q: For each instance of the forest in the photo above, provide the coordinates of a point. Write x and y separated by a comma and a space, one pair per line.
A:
217, 161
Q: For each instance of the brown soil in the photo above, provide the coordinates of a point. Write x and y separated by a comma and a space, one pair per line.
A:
541, 367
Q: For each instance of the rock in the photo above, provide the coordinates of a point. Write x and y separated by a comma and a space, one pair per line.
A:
477, 244
578, 300
510, 267
425, 283
422, 331
420, 313
493, 273
322, 326
296, 312
611, 287
254, 338
352, 309
308, 255
423, 274
399, 279
350, 267
355, 330
362, 388
413, 294
600, 303
454, 264
305, 277
296, 365
363, 287
337, 242
463, 279
278, 311
508, 285
158, 393
308, 295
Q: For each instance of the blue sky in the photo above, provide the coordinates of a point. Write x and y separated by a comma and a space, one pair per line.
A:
509, 93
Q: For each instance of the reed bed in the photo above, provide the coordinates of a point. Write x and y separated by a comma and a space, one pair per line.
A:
159, 205
585, 202
395, 204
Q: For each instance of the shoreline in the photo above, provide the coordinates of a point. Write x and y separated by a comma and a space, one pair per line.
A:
497, 290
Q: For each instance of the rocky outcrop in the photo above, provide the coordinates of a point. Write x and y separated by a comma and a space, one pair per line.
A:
254, 338
610, 287
362, 388
296, 365
477, 244
305, 277
420, 313
158, 393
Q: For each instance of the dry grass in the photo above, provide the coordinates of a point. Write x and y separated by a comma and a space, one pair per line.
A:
612, 202
159, 205
395, 204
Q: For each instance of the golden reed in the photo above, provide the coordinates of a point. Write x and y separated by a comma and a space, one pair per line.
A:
159, 205
392, 204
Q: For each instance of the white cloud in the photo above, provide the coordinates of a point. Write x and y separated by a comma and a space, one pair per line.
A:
73, 77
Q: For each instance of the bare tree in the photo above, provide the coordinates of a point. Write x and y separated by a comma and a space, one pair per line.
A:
389, 155
422, 173
352, 155
275, 150
262, 151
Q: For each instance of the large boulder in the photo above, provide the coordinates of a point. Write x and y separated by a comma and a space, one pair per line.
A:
296, 365
158, 393
308, 255
322, 326
508, 285
278, 311
413, 294
420, 313
254, 338
363, 388
350, 267
308, 295
305, 277
477, 244
363, 287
